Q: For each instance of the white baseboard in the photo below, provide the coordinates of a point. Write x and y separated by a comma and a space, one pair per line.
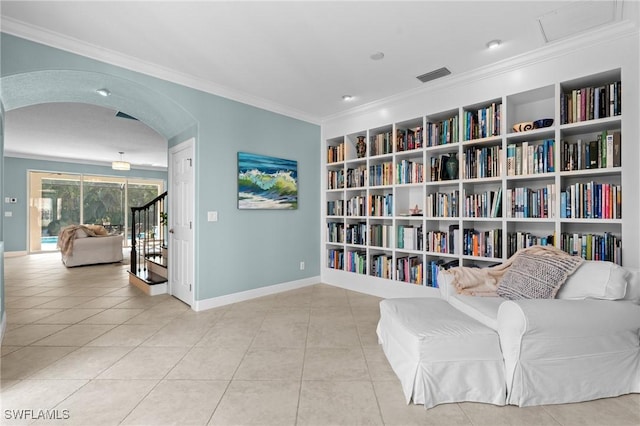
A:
214, 302
15, 253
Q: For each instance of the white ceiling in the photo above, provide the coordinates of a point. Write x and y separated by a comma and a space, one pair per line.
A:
293, 57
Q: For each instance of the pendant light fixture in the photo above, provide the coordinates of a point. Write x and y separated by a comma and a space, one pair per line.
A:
121, 165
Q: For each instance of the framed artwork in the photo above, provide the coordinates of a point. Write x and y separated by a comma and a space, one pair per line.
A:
267, 182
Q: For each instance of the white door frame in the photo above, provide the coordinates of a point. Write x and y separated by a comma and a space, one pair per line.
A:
189, 143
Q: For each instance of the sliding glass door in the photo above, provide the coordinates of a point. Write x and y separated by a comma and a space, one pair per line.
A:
54, 202
57, 200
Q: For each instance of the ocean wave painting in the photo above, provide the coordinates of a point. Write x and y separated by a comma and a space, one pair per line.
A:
267, 182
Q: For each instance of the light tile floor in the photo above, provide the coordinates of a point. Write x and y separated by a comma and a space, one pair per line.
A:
83, 342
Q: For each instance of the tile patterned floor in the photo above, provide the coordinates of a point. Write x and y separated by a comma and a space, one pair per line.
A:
83, 342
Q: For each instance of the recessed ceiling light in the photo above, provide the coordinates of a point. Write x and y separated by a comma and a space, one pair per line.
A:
494, 44
347, 98
103, 92
377, 56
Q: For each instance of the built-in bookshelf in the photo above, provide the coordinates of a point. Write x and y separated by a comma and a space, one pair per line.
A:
464, 187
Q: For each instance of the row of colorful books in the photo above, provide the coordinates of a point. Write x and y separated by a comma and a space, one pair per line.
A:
356, 233
524, 202
381, 144
530, 158
443, 132
482, 123
519, 240
357, 178
381, 174
591, 200
335, 232
335, 179
604, 152
589, 103
335, 153
482, 162
409, 139
409, 172
335, 208
356, 261
483, 243
409, 269
442, 204
483, 204
606, 247
409, 237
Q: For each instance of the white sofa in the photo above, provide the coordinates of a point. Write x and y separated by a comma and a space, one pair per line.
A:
582, 345
90, 250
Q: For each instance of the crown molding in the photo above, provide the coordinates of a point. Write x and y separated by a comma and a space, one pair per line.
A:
76, 46
26, 156
542, 54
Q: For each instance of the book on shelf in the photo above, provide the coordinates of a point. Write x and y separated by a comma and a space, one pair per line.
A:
356, 233
442, 204
483, 162
381, 174
335, 232
380, 205
409, 172
335, 208
589, 103
381, 265
356, 261
381, 144
437, 242
591, 200
409, 139
454, 239
357, 177
481, 204
409, 237
519, 240
409, 269
524, 202
335, 179
443, 132
482, 243
439, 168
335, 153
335, 258
483, 122
603, 152
531, 158
606, 246
380, 235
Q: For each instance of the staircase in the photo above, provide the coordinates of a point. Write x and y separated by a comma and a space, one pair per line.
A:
149, 257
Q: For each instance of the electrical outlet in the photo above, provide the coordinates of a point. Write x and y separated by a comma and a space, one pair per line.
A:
302, 266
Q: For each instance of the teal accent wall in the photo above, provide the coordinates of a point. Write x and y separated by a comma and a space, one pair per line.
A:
244, 250
1, 217
15, 185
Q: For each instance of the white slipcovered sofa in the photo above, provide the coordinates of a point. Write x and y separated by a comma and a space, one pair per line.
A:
89, 245
584, 344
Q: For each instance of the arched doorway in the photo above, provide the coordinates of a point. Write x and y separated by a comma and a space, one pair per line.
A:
151, 107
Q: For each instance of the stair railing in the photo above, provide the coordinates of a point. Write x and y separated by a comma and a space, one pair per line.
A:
148, 232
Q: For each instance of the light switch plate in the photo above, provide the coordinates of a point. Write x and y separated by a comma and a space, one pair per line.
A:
212, 216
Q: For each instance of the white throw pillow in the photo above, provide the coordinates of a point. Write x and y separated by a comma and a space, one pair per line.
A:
595, 279
80, 233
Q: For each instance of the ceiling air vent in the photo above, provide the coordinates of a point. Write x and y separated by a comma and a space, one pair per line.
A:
121, 114
432, 75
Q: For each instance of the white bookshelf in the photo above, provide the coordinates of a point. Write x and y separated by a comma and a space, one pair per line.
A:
529, 105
